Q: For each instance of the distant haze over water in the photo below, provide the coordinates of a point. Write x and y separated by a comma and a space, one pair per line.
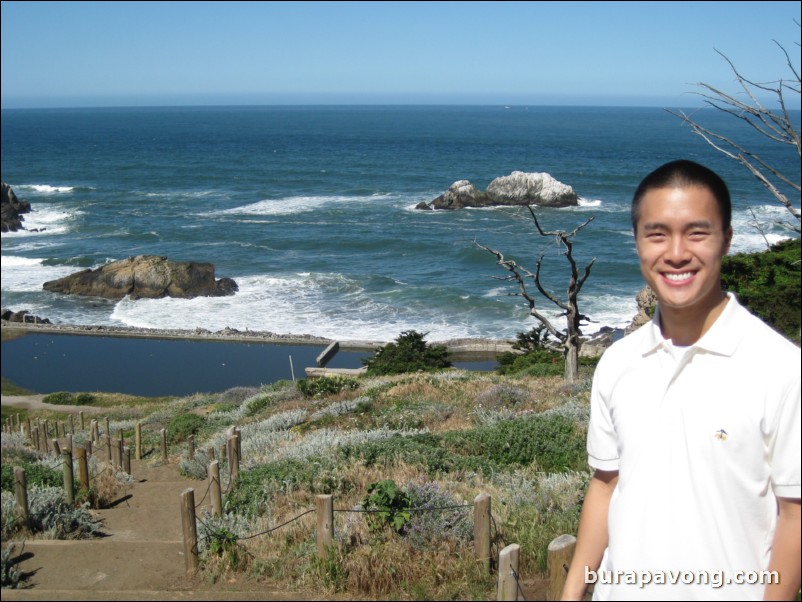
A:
311, 210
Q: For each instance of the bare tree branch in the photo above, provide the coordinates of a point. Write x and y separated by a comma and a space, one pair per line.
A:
520, 275
776, 126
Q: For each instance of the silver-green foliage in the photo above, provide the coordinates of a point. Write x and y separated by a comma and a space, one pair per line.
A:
49, 515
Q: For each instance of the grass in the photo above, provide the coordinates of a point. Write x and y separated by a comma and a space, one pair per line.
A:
448, 435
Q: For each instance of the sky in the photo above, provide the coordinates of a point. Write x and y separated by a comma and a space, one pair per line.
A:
72, 54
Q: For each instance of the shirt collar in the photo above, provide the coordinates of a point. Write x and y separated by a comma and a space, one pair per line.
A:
722, 338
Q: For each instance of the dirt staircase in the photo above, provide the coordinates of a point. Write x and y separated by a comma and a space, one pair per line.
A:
139, 558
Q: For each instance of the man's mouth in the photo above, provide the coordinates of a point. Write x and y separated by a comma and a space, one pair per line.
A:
678, 277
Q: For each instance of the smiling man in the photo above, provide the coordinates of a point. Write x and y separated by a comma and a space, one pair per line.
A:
694, 433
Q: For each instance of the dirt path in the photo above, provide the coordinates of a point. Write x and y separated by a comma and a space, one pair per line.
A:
140, 558
34, 402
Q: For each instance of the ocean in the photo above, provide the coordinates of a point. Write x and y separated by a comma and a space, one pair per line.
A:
311, 210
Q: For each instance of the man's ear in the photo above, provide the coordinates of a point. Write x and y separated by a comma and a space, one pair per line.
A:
727, 240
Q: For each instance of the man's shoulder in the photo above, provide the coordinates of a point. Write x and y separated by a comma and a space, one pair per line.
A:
632, 345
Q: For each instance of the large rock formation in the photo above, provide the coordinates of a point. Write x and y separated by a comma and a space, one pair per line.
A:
647, 301
11, 209
145, 276
518, 188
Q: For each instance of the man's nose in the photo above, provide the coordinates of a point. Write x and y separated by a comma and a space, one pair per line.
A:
677, 251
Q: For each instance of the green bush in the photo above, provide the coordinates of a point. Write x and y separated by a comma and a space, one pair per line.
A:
64, 398
552, 442
387, 506
409, 353
35, 474
540, 362
182, 426
254, 488
328, 385
769, 284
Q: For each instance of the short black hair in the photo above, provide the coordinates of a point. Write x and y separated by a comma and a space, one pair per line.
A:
683, 174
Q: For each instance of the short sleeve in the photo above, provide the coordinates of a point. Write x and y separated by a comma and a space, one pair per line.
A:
602, 438
785, 442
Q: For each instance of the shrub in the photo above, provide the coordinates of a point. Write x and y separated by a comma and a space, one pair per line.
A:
49, 514
255, 488
36, 474
436, 515
329, 385
65, 398
768, 283
387, 506
12, 577
184, 425
409, 353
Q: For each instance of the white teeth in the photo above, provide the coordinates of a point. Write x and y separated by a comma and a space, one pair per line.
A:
679, 277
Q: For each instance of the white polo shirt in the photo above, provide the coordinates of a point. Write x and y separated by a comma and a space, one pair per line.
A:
703, 444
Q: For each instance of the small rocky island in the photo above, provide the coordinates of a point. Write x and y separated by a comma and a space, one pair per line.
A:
145, 276
12, 209
517, 189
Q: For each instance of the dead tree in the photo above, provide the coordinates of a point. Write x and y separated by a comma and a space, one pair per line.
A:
569, 338
775, 125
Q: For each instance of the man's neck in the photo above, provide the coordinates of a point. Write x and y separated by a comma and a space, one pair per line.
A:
685, 326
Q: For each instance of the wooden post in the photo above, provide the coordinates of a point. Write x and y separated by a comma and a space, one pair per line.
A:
481, 529
35, 437
127, 460
561, 551
191, 447
68, 441
30, 430
113, 456
325, 524
83, 467
119, 452
508, 572
88, 447
214, 486
164, 445
210, 452
190, 530
138, 440
233, 459
56, 447
69, 483
108, 428
47, 435
21, 493
95, 435
81, 416
238, 434
223, 454
121, 437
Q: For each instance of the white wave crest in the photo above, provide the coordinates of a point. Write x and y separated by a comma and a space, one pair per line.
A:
45, 188
45, 220
29, 274
295, 204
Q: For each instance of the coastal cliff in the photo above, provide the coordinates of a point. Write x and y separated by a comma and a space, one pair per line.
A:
11, 209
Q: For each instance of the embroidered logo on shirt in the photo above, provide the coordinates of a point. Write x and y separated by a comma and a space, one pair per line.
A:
721, 435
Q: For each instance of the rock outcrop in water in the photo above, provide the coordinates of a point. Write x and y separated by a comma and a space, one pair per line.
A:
518, 188
11, 210
145, 276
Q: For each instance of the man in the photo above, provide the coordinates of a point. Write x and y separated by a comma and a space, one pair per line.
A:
695, 424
